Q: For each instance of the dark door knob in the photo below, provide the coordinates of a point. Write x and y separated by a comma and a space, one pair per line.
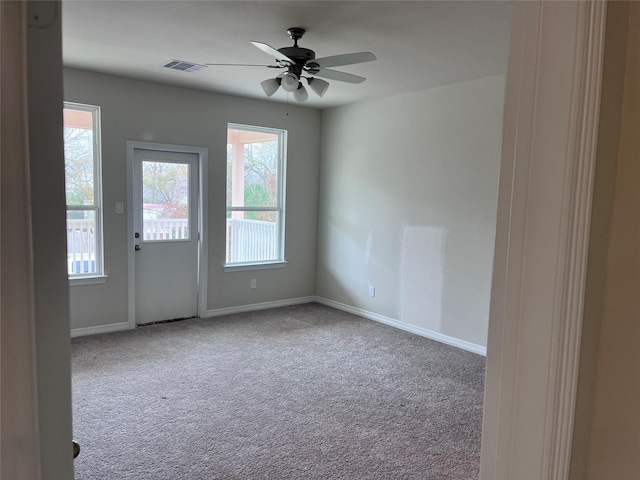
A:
137, 247
137, 235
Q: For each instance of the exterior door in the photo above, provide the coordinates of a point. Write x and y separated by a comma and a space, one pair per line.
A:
165, 216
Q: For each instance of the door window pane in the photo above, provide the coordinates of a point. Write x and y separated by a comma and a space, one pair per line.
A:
165, 201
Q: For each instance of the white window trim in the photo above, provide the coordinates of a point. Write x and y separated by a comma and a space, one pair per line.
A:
87, 280
279, 208
238, 267
99, 276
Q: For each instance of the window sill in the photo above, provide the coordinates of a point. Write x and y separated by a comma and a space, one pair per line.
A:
75, 281
253, 266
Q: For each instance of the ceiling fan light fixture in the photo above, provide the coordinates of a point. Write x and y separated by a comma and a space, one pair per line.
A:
318, 85
290, 82
300, 95
270, 86
295, 62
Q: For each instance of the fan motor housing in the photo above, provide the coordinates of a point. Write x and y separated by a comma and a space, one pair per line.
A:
299, 54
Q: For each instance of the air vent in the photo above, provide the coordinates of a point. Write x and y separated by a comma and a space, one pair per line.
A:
183, 66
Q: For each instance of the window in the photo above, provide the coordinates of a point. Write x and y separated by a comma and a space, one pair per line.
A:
255, 195
83, 190
165, 201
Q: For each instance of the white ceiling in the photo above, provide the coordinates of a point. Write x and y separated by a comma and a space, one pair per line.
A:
419, 44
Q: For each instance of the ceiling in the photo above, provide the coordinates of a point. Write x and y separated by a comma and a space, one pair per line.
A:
419, 44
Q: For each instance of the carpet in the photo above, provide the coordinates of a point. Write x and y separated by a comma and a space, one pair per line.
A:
305, 392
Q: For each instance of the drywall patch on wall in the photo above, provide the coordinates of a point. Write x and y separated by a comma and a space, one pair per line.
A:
422, 261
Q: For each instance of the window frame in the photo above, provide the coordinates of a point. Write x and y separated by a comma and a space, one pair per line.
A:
99, 275
279, 208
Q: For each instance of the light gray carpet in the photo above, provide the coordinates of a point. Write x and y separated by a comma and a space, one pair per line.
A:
296, 392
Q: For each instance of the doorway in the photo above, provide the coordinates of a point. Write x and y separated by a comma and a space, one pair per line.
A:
167, 226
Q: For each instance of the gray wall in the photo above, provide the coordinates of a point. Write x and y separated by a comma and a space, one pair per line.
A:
408, 199
145, 111
408, 193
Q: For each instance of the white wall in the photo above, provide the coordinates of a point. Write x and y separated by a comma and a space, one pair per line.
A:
408, 201
145, 111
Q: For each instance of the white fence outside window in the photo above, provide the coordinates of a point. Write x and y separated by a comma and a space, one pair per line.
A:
247, 240
166, 229
251, 241
81, 246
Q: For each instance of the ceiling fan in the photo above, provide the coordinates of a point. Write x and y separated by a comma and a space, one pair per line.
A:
302, 63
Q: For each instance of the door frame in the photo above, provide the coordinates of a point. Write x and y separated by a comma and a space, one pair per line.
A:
550, 129
203, 221
53, 397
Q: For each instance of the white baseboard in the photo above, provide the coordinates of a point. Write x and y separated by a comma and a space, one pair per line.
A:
423, 332
439, 337
259, 306
112, 327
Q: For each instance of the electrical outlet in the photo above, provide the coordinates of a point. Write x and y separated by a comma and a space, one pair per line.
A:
253, 283
372, 291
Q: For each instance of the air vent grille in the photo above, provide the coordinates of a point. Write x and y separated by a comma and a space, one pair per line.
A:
183, 66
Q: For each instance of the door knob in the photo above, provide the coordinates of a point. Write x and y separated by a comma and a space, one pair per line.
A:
137, 247
136, 235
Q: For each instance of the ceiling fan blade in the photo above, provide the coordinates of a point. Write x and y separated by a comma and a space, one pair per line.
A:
339, 76
346, 59
272, 52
